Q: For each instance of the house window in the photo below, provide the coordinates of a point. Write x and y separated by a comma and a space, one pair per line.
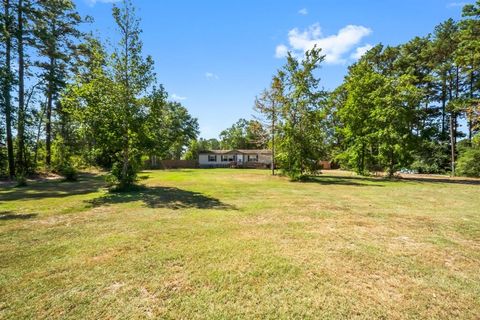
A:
253, 158
212, 158
228, 158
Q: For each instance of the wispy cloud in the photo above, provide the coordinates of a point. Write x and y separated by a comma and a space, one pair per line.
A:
334, 47
178, 98
360, 51
281, 51
91, 3
303, 11
456, 4
211, 76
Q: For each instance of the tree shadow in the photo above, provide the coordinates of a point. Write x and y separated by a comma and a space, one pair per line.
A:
163, 197
345, 181
475, 182
86, 183
373, 181
9, 215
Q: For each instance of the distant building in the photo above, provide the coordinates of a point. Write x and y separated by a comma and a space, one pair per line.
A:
242, 158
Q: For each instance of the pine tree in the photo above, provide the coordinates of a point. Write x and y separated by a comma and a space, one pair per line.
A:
56, 28
7, 80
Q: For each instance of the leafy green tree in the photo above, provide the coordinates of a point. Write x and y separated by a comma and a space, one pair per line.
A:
355, 116
197, 146
378, 115
89, 102
335, 140
302, 138
469, 159
244, 135
133, 75
268, 105
168, 127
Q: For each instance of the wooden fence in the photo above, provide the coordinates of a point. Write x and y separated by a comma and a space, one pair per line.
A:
170, 164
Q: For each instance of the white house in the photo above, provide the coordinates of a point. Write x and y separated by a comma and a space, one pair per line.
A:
235, 158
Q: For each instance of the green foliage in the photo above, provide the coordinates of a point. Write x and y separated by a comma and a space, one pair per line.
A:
167, 127
121, 179
469, 163
69, 172
399, 107
20, 179
192, 150
244, 135
301, 131
431, 157
197, 146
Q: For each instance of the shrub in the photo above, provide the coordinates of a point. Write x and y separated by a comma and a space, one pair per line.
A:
21, 179
68, 172
116, 179
469, 163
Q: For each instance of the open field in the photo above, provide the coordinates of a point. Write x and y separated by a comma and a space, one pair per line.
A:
226, 244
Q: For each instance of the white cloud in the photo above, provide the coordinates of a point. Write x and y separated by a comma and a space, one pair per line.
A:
360, 51
178, 98
281, 51
91, 3
303, 11
334, 47
211, 76
456, 4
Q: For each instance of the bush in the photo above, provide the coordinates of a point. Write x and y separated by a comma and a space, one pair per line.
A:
469, 163
68, 172
21, 179
116, 179
422, 166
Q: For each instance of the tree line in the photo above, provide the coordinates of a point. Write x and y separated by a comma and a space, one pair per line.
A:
68, 100
399, 107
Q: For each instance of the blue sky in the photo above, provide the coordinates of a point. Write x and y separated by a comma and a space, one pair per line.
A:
215, 56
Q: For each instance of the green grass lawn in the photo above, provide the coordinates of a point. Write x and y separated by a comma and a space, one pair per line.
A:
226, 243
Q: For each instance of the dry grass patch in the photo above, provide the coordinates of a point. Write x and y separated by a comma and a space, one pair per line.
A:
226, 243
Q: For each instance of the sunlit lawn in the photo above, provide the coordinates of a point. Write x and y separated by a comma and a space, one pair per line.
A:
226, 243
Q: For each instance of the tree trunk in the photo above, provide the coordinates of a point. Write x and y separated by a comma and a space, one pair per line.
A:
37, 140
362, 164
452, 143
469, 112
444, 103
126, 146
391, 169
273, 144
21, 92
7, 88
48, 122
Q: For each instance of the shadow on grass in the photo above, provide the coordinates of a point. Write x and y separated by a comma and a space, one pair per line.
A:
86, 183
374, 181
163, 197
475, 182
9, 215
345, 181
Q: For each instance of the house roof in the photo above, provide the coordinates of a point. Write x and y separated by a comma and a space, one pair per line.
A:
236, 151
